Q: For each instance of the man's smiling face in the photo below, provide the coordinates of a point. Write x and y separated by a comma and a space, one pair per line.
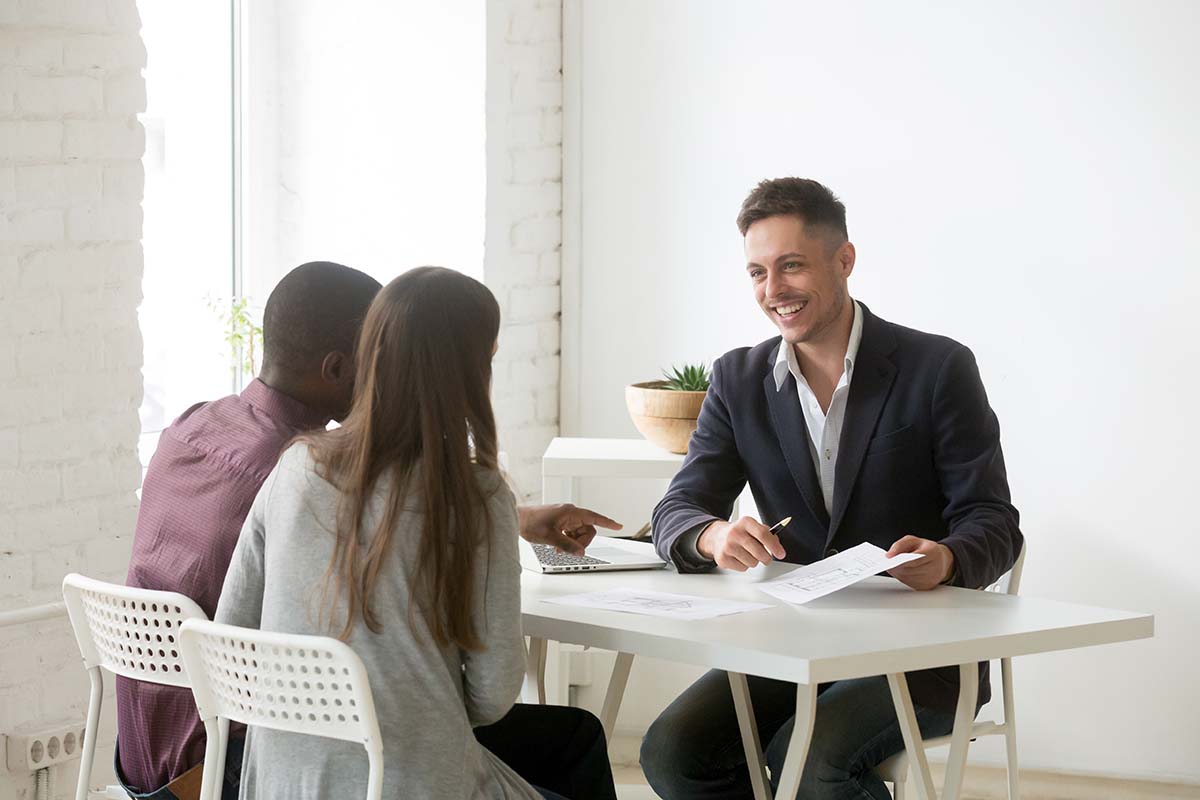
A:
799, 276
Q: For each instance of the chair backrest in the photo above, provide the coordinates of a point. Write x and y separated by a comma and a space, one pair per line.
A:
1010, 582
132, 632
303, 684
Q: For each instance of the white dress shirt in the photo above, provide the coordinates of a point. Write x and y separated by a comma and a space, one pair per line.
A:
824, 427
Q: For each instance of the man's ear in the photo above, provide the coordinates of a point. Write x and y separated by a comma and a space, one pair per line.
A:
845, 259
336, 368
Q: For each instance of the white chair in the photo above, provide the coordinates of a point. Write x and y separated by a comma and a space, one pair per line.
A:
895, 769
130, 632
312, 685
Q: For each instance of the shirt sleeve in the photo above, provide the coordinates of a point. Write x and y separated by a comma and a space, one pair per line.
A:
492, 677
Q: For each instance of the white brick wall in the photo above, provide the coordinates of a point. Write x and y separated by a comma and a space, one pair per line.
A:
524, 224
70, 351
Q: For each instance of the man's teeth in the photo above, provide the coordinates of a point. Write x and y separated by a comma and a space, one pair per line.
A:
792, 309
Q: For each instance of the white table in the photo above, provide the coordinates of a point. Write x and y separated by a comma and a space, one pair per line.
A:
879, 627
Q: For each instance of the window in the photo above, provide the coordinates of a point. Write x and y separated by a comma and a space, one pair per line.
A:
188, 230
358, 137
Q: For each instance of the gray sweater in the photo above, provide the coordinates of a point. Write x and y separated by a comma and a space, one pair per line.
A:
427, 698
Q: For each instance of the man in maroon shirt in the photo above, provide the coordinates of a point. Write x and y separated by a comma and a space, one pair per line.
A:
205, 474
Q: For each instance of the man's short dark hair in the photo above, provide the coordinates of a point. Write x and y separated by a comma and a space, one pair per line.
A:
800, 197
315, 309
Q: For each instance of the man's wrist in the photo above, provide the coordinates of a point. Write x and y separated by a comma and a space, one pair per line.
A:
951, 571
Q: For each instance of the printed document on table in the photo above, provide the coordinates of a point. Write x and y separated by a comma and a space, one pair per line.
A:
658, 604
836, 572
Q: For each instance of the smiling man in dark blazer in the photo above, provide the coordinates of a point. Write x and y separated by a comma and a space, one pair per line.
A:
861, 431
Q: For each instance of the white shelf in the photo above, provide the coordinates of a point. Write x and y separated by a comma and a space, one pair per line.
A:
608, 458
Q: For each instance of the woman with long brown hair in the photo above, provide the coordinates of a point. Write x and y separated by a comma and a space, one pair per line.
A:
397, 533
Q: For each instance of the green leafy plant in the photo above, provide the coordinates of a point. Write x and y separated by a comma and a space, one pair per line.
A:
688, 378
243, 333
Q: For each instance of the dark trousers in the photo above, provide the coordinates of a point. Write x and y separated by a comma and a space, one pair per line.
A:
694, 749
555, 748
231, 780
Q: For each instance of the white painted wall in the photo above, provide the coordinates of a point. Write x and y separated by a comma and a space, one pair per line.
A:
1020, 176
524, 226
70, 349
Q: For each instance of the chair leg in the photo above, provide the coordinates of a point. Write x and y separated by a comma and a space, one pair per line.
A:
898, 790
1010, 729
88, 752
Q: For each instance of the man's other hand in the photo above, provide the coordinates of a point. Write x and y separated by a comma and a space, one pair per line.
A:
565, 526
739, 545
925, 573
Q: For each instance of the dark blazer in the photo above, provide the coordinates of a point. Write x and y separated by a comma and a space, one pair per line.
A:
919, 454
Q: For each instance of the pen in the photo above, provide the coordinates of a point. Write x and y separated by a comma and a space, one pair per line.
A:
781, 524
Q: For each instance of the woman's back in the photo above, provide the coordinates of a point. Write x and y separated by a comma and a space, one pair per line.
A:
427, 696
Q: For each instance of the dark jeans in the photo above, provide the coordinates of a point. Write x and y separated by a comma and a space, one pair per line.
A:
555, 748
231, 782
694, 749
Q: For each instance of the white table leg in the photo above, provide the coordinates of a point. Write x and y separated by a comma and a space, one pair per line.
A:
616, 691
535, 671
797, 752
964, 719
918, 763
750, 741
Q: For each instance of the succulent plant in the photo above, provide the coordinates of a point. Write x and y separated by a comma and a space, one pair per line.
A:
688, 378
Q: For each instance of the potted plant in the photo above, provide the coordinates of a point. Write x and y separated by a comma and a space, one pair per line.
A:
665, 411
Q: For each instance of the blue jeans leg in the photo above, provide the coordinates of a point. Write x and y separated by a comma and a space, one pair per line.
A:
855, 729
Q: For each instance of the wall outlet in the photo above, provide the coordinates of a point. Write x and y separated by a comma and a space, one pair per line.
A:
32, 749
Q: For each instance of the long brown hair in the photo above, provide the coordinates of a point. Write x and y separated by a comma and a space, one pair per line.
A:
421, 420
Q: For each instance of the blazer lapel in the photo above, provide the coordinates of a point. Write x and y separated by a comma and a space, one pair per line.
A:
792, 433
869, 387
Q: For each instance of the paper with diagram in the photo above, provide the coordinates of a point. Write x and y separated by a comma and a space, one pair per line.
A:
836, 572
658, 604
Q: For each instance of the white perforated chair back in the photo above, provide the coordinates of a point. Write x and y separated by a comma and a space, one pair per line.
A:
132, 632
312, 685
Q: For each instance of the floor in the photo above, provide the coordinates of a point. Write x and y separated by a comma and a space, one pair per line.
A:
631, 784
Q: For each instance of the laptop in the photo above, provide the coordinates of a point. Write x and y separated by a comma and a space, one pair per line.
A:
604, 553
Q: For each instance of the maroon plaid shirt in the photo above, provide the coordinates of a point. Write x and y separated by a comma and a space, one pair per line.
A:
204, 476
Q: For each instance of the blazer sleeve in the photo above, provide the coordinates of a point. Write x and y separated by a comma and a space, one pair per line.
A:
983, 524
706, 486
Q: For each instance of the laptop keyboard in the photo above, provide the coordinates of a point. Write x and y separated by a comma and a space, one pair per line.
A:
553, 558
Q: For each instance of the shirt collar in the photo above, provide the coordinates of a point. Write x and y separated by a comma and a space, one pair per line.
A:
785, 359
287, 410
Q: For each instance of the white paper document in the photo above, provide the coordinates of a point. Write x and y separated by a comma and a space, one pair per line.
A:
658, 604
836, 572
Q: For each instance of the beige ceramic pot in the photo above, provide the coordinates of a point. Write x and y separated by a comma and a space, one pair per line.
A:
665, 417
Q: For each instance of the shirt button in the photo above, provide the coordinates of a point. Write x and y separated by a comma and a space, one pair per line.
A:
828, 453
